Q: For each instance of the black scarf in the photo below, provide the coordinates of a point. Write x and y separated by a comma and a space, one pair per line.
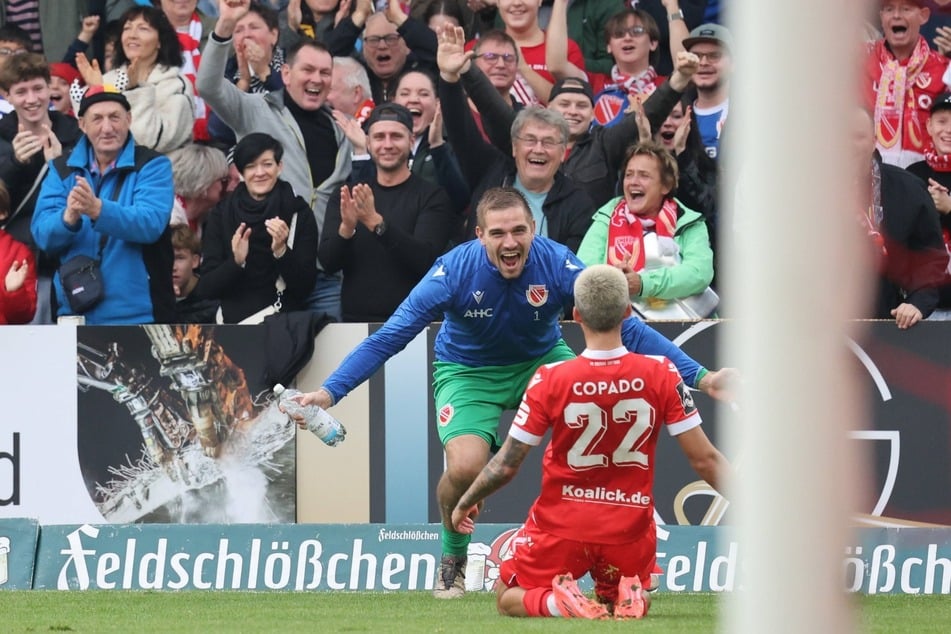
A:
281, 202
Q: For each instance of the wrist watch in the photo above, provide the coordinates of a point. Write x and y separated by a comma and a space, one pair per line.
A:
679, 15
380, 229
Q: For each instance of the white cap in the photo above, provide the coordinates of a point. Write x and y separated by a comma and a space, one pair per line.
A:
279, 389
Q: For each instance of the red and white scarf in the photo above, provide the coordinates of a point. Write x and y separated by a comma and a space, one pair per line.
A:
937, 162
896, 94
191, 58
627, 229
644, 83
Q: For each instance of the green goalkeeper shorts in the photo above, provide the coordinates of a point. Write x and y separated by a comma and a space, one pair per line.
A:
471, 400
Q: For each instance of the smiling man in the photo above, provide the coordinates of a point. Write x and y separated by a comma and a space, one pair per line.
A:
560, 209
903, 76
384, 235
713, 46
317, 151
500, 299
110, 201
30, 136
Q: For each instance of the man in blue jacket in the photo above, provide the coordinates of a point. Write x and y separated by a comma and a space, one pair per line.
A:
110, 201
500, 299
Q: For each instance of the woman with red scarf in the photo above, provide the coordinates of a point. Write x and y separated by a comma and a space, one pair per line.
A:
662, 247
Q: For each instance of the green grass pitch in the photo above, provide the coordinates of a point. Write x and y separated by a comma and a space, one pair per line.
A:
118, 611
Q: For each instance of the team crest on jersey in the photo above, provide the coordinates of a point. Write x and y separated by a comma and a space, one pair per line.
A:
445, 414
537, 294
923, 80
686, 398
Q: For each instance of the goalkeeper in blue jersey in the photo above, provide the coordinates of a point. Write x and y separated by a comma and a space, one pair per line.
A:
500, 299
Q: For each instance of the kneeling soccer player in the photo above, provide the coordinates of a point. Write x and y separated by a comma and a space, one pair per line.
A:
595, 512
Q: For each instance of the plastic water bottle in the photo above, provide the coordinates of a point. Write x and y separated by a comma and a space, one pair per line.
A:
319, 421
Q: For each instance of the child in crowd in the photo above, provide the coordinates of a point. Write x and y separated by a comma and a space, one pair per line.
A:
189, 308
17, 273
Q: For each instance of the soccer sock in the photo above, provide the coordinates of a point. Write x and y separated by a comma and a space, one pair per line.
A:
454, 543
540, 602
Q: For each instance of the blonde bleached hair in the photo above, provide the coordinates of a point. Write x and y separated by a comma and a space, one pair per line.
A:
601, 297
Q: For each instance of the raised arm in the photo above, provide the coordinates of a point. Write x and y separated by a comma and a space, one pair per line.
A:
497, 116
453, 61
556, 45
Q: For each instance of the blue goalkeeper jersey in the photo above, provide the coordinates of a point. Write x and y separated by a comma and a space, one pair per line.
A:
489, 320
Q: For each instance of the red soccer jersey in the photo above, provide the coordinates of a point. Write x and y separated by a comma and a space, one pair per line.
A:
605, 409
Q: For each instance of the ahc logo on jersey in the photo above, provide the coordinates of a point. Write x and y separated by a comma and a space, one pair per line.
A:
537, 294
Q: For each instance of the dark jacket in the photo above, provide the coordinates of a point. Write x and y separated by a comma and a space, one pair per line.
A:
567, 208
245, 291
23, 179
923, 171
419, 38
916, 260
595, 159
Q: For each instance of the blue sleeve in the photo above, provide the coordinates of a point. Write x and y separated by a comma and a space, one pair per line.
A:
50, 232
425, 304
144, 220
640, 338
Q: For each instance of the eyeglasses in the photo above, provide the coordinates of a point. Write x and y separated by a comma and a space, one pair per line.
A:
376, 40
713, 56
6, 52
507, 58
633, 31
547, 143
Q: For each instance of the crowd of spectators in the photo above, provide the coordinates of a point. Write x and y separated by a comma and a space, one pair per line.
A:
220, 160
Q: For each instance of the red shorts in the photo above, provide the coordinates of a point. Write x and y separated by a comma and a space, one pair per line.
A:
538, 556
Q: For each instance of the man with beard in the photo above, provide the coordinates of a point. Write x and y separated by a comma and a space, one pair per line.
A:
316, 150
903, 76
713, 46
500, 299
384, 235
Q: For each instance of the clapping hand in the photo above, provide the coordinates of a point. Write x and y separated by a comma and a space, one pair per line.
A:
682, 132
90, 71
240, 242
352, 130
16, 276
279, 232
435, 129
83, 201
348, 214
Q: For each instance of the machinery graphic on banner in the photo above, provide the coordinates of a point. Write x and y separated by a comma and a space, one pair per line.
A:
199, 426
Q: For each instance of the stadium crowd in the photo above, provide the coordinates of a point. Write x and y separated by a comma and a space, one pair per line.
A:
550, 98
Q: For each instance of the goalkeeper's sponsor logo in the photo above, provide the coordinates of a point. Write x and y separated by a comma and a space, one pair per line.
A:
604, 494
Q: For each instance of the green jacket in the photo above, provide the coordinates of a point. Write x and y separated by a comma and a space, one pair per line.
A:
586, 19
691, 276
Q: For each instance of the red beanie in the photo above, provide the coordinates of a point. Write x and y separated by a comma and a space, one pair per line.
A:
65, 71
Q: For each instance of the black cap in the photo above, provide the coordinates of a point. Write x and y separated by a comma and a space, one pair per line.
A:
98, 94
571, 84
390, 111
942, 102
